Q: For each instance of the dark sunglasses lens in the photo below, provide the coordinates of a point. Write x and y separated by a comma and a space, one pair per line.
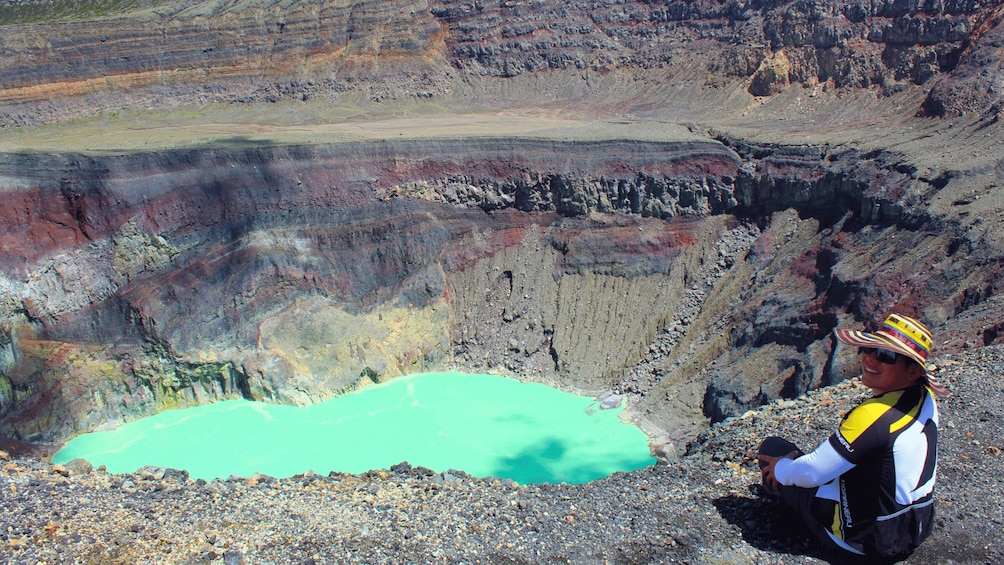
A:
886, 356
883, 355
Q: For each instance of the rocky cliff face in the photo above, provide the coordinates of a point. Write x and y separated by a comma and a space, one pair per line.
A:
701, 274
290, 274
280, 276
172, 53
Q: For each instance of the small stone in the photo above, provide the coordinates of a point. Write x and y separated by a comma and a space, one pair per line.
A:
151, 472
262, 478
79, 467
445, 478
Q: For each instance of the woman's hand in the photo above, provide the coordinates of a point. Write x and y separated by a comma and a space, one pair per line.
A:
767, 463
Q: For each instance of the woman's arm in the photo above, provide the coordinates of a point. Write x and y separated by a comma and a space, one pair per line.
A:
812, 469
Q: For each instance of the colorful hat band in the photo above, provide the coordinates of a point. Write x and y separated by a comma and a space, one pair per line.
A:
905, 341
910, 329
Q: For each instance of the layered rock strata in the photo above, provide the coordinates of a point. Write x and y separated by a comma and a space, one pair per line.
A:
290, 274
276, 274
170, 53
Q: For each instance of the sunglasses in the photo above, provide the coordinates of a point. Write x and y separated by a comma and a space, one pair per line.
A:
883, 355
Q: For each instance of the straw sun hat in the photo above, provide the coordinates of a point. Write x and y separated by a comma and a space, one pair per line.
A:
899, 334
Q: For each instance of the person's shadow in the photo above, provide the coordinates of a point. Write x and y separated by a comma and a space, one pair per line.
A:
769, 526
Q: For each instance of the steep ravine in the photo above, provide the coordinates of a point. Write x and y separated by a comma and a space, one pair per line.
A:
140, 281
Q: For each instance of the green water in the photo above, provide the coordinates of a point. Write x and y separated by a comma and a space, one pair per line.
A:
485, 425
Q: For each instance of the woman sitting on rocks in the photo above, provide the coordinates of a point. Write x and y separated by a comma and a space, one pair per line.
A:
869, 489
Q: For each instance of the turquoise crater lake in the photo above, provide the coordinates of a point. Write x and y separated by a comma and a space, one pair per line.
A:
485, 425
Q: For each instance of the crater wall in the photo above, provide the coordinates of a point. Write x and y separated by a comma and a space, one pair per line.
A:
700, 278
57, 65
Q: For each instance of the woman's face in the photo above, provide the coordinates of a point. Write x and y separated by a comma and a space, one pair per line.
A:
882, 377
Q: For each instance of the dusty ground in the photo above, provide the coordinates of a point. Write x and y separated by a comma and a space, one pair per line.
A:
173, 131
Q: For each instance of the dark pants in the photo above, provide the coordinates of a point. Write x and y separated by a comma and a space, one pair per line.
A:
801, 499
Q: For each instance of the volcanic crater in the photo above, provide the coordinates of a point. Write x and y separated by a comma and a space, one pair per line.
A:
675, 202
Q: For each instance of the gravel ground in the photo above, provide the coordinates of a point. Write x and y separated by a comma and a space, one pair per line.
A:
699, 508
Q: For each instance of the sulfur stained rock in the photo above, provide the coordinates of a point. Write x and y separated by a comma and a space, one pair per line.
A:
773, 76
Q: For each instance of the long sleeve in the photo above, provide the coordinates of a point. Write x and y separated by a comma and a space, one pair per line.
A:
812, 469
